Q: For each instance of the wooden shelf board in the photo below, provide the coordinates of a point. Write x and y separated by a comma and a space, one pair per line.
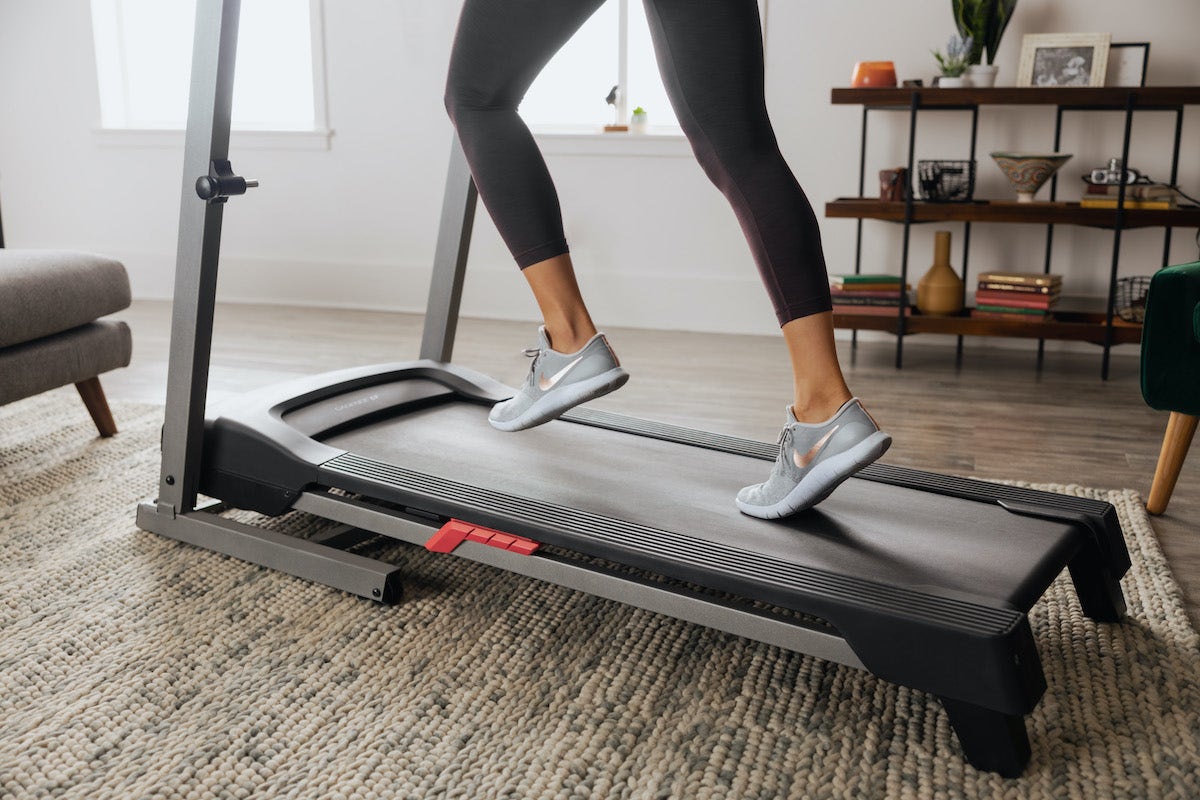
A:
1071, 326
1107, 97
1039, 212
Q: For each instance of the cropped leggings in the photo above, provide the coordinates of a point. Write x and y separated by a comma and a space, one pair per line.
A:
711, 59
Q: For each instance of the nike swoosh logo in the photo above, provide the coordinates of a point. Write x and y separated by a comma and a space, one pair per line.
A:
547, 383
803, 461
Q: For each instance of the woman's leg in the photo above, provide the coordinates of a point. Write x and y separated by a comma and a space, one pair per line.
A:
711, 59
499, 49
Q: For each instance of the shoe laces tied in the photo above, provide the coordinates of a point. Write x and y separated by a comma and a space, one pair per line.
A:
785, 438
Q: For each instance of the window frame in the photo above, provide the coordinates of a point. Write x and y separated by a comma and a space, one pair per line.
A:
585, 140
109, 135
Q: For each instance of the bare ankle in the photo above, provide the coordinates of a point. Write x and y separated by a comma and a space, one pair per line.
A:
812, 410
568, 337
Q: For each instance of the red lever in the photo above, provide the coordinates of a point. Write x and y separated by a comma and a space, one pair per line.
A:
452, 534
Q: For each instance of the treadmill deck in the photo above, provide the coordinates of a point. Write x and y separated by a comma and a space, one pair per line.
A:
886, 534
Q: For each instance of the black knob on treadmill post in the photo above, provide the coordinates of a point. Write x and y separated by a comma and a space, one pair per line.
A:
220, 183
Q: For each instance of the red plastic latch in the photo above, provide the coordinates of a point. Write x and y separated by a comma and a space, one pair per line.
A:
448, 537
452, 534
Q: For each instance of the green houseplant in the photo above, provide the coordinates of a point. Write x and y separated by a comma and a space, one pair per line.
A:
953, 63
984, 22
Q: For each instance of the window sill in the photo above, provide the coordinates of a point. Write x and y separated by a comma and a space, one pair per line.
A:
243, 140
566, 142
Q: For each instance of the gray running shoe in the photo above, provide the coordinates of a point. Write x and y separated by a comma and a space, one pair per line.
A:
558, 382
813, 460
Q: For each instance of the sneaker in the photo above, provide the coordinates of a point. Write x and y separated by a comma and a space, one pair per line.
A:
813, 460
558, 382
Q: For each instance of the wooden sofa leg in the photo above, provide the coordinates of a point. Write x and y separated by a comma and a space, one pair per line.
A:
93, 397
1180, 429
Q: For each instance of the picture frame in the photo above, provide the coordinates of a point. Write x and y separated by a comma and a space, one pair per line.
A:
1064, 59
1127, 63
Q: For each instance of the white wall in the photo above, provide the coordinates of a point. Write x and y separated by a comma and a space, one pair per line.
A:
654, 242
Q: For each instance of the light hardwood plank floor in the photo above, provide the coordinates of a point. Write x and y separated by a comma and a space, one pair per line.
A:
996, 416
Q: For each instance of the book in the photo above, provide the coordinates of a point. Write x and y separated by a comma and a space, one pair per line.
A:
866, 294
1014, 300
865, 277
875, 311
858, 288
1011, 310
1003, 315
1021, 278
870, 301
1017, 288
1111, 202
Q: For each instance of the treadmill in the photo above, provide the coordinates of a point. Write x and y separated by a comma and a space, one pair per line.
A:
923, 579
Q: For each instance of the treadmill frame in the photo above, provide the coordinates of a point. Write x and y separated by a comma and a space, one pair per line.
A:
993, 737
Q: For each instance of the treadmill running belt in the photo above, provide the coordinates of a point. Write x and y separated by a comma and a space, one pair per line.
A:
891, 534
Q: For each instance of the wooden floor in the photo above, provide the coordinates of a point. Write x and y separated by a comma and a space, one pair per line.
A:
997, 416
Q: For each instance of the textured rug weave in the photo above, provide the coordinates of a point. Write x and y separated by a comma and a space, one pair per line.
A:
133, 666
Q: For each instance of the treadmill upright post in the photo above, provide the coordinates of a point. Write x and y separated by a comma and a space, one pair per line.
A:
207, 140
450, 258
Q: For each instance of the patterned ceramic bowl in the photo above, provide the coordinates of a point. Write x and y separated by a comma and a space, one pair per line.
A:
1028, 172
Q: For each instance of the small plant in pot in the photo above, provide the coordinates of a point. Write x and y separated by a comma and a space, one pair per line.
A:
638, 120
984, 21
953, 62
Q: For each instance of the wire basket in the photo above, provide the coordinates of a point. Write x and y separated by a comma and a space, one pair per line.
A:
1131, 298
946, 181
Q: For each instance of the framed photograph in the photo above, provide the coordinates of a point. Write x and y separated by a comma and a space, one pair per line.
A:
1064, 59
1127, 62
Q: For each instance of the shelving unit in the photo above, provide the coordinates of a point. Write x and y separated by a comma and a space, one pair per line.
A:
1072, 319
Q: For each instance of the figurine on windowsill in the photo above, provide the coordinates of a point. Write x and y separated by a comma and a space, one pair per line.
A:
618, 126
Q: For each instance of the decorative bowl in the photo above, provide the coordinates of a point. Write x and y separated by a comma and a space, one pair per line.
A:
873, 75
1028, 172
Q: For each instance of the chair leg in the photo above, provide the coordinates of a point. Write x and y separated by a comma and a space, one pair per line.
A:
93, 397
1180, 429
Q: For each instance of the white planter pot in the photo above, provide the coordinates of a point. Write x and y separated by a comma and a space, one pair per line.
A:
638, 123
950, 83
982, 76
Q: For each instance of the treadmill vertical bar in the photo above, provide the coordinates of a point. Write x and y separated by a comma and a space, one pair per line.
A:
450, 258
209, 107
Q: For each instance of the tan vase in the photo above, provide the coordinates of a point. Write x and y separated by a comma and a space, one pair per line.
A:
940, 292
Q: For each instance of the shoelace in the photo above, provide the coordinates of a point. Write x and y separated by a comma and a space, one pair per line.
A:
785, 438
532, 352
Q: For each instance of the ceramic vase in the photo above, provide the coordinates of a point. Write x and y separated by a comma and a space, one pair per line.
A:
940, 291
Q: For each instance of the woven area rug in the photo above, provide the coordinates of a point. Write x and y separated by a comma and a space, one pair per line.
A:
133, 666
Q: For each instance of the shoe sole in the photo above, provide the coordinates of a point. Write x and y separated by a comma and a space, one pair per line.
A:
557, 402
826, 476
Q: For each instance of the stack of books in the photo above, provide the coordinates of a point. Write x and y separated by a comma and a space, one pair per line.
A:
869, 294
1137, 195
1016, 295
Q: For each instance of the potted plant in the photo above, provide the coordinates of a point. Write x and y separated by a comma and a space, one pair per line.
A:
638, 120
954, 61
984, 21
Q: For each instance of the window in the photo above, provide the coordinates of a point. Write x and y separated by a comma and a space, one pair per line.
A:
143, 63
613, 47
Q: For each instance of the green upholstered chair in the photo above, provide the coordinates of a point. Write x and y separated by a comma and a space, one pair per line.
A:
1171, 369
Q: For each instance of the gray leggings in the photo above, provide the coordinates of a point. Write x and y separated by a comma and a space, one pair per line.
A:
710, 55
